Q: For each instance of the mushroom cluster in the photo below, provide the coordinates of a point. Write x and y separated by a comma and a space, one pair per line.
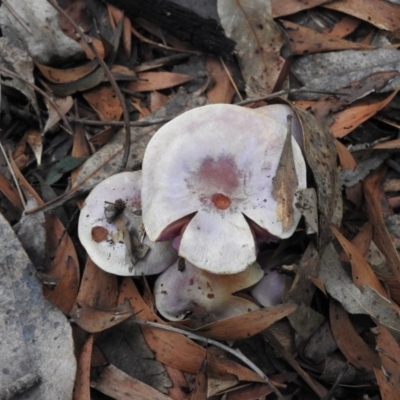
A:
208, 192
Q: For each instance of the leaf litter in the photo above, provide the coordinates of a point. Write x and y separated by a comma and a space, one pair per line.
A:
62, 132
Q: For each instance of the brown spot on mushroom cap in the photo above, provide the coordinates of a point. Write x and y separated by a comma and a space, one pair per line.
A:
99, 233
221, 201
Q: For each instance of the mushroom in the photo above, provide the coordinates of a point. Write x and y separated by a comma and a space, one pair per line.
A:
110, 229
270, 290
208, 182
183, 290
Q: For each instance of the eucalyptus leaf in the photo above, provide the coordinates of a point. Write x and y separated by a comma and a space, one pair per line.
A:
65, 165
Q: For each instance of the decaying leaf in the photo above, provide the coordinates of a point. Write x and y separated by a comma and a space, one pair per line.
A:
356, 351
258, 43
118, 385
340, 287
285, 182
246, 325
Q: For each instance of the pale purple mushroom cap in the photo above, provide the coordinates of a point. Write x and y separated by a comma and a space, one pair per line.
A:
208, 176
104, 241
180, 292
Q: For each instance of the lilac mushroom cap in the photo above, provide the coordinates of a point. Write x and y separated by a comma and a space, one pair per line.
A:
180, 291
103, 237
208, 179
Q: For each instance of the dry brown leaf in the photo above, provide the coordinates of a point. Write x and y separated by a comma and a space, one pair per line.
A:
327, 105
246, 325
350, 118
200, 385
60, 249
157, 100
158, 80
98, 288
10, 192
96, 320
57, 75
179, 384
363, 275
105, 102
383, 14
391, 144
98, 44
117, 384
345, 26
382, 237
388, 376
288, 7
64, 294
34, 139
82, 382
258, 43
356, 351
80, 148
305, 40
346, 159
64, 104
221, 90
176, 350
285, 183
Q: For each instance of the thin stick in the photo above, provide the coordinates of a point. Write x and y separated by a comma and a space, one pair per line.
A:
287, 91
199, 338
13, 176
162, 46
111, 79
231, 79
138, 124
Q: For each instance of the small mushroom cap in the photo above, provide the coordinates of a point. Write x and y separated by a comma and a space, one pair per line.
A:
184, 290
271, 288
104, 240
217, 164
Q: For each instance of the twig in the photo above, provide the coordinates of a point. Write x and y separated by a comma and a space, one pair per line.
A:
44, 94
162, 46
109, 76
231, 79
287, 91
199, 338
137, 124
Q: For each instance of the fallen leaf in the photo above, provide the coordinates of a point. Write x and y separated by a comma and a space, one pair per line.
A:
65, 165
258, 43
34, 139
57, 75
221, 90
363, 275
349, 119
64, 104
288, 7
381, 235
200, 385
356, 351
285, 183
149, 81
176, 350
246, 325
96, 320
118, 385
105, 102
82, 382
340, 286
382, 14
305, 40
389, 373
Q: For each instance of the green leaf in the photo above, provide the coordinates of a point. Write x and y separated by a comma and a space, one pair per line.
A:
65, 165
